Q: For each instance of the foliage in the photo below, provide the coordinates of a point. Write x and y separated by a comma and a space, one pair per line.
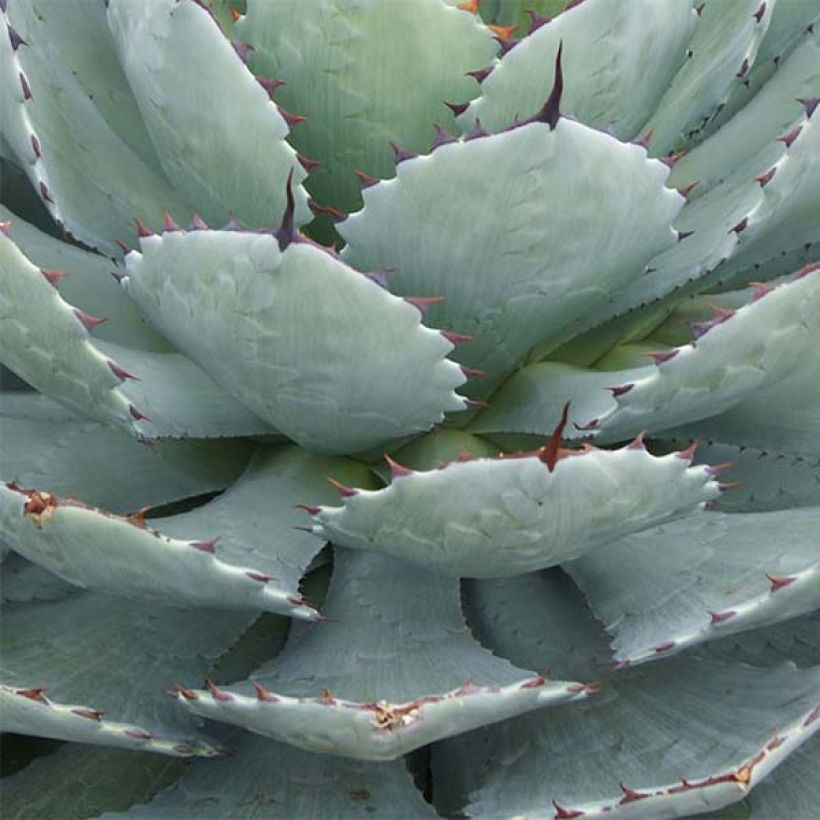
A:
385, 467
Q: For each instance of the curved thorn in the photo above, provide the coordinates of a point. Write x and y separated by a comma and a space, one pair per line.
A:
120, 372
550, 112
396, 470
549, 454
344, 491
208, 546
457, 108
286, 232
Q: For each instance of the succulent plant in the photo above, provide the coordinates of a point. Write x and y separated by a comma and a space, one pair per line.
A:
384, 467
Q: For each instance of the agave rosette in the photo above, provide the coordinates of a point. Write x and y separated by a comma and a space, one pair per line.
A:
378, 452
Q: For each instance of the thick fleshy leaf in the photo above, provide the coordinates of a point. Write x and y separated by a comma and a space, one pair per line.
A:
24, 581
694, 580
723, 48
796, 640
128, 556
792, 21
219, 138
46, 342
735, 357
69, 115
318, 349
85, 781
531, 400
499, 517
324, 52
389, 677
88, 284
784, 417
255, 518
606, 50
93, 669
793, 790
522, 272
769, 480
178, 398
44, 445
263, 776
674, 739
768, 115
786, 217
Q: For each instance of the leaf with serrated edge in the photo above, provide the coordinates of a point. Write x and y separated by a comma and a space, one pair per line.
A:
179, 398
219, 139
255, 517
88, 652
42, 444
45, 342
673, 739
606, 49
326, 355
785, 218
768, 115
425, 678
500, 517
727, 36
522, 272
791, 24
769, 480
793, 790
77, 132
123, 556
324, 52
88, 284
665, 589
261, 776
530, 401
737, 356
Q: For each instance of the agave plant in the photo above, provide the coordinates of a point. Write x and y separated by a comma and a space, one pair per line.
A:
384, 468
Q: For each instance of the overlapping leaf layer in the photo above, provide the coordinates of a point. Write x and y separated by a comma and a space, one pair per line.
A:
356, 355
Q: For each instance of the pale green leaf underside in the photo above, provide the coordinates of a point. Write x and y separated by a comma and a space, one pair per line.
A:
124, 556
89, 284
263, 778
523, 272
651, 727
390, 676
95, 162
325, 51
500, 517
323, 353
702, 578
45, 343
606, 51
44, 445
219, 139
94, 652
727, 34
